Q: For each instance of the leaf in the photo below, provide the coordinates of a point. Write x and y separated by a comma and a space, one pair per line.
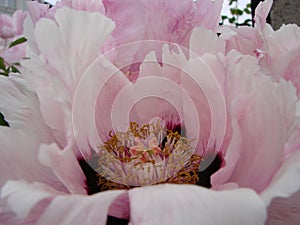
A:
2, 64
224, 17
231, 20
246, 10
14, 69
237, 12
3, 121
17, 42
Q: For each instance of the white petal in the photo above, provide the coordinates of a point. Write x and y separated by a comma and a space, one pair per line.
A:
185, 204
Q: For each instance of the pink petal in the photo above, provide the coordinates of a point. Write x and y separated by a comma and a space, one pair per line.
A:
208, 13
65, 166
37, 10
204, 90
19, 159
283, 51
285, 182
21, 199
24, 198
264, 123
184, 204
230, 159
78, 36
205, 41
77, 209
94, 97
20, 106
261, 13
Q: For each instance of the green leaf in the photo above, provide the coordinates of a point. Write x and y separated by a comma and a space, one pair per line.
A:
17, 42
2, 64
237, 12
232, 1
3, 121
248, 11
14, 69
231, 20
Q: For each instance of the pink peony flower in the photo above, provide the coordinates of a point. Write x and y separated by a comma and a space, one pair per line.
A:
278, 51
11, 28
202, 134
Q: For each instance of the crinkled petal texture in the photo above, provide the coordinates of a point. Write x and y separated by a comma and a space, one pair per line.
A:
156, 20
57, 65
264, 113
283, 54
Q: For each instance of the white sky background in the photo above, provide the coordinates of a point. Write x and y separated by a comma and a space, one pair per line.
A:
225, 11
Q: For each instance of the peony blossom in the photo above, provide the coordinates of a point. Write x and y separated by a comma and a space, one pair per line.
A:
11, 28
144, 115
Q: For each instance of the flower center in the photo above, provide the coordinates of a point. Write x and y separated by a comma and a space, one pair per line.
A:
146, 155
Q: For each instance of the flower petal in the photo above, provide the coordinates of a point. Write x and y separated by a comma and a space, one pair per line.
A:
264, 122
284, 211
183, 204
19, 159
57, 208
20, 107
56, 68
285, 182
65, 166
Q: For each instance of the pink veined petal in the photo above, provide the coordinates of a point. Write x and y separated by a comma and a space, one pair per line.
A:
208, 13
21, 198
20, 106
78, 210
66, 37
201, 86
94, 96
39, 204
65, 166
264, 124
120, 208
187, 204
54, 79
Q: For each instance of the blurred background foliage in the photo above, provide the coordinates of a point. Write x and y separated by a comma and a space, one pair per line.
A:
239, 13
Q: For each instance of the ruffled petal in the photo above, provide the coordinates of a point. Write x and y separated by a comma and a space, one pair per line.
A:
20, 107
65, 166
23, 199
57, 64
270, 117
182, 204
